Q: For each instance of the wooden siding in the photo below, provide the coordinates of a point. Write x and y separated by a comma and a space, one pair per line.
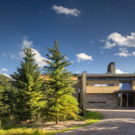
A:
133, 85
102, 89
74, 78
44, 77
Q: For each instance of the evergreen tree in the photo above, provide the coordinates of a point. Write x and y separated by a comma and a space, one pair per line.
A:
7, 102
61, 104
28, 81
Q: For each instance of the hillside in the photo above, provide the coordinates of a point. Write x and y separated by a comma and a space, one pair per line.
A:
4, 77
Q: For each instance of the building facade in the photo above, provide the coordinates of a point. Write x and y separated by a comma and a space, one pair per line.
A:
109, 90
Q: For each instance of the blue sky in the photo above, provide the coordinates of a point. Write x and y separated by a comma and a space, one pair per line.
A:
91, 33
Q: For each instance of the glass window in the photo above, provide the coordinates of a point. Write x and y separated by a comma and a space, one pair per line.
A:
103, 85
125, 86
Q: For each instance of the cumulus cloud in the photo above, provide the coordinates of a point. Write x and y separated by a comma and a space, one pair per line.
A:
39, 59
118, 71
67, 11
123, 52
26, 43
133, 53
83, 57
4, 69
78, 72
124, 43
117, 39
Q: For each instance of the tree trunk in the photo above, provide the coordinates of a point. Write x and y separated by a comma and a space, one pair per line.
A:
57, 119
0, 123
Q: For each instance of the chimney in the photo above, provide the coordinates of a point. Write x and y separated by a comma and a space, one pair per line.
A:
111, 68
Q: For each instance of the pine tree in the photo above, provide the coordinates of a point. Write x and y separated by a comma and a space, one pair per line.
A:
28, 81
7, 102
61, 104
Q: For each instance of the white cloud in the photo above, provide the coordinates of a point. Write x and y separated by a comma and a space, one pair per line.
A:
13, 56
72, 62
116, 39
4, 69
133, 53
118, 71
67, 11
83, 57
123, 52
10, 55
109, 45
39, 59
26, 43
78, 72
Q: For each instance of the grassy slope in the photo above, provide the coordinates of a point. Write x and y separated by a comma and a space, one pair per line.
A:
89, 118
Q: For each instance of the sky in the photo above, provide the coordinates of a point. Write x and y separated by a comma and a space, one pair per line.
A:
91, 33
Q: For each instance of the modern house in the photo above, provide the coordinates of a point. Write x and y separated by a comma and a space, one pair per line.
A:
109, 90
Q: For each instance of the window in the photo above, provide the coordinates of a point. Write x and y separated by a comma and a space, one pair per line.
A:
100, 85
125, 86
110, 84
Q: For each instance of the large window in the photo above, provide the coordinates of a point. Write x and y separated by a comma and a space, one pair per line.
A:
99, 85
125, 86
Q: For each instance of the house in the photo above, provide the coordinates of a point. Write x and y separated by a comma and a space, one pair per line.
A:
109, 90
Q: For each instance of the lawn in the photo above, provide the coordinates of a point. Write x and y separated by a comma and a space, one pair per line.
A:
89, 118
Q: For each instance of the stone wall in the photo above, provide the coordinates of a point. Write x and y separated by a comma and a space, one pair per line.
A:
101, 101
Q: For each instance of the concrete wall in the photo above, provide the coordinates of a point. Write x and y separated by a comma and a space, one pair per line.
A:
90, 88
102, 101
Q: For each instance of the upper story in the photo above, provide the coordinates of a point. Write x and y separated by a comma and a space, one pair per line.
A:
109, 82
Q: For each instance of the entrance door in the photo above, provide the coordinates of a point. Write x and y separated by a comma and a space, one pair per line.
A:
124, 100
131, 100
128, 100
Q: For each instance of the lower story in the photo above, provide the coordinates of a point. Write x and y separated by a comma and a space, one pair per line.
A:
120, 99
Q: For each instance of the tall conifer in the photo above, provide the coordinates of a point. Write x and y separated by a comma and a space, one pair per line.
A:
28, 82
61, 104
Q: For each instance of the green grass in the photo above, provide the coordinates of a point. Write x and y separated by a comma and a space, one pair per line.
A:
26, 131
89, 118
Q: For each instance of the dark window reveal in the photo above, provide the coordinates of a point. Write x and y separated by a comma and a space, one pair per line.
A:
102, 85
97, 102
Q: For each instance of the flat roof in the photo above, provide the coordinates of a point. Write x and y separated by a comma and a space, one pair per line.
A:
107, 75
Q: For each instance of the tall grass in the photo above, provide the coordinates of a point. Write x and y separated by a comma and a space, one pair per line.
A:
89, 118
26, 131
